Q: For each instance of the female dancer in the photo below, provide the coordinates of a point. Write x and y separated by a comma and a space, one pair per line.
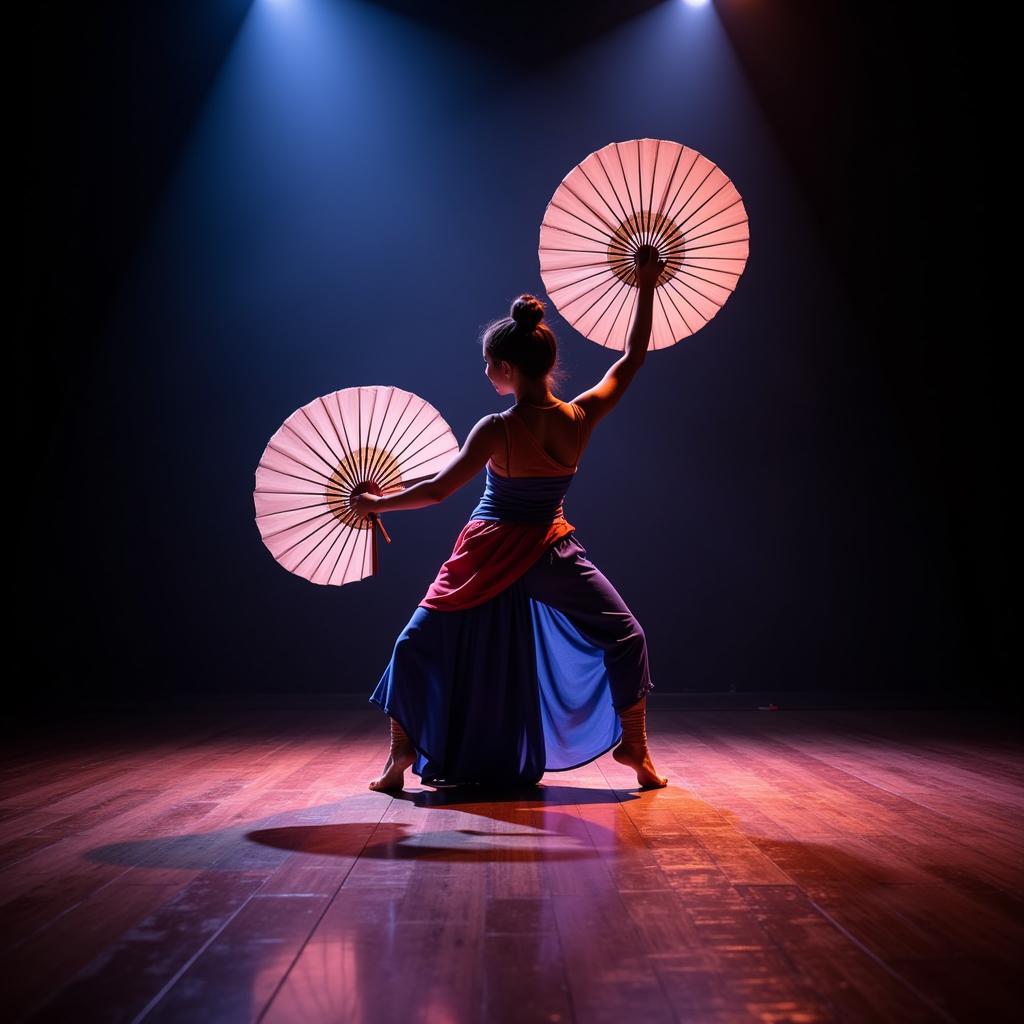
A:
521, 658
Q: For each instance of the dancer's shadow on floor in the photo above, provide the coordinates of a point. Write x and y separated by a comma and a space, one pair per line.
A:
518, 821
522, 821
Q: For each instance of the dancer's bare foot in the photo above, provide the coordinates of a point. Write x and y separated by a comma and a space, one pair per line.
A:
639, 759
394, 770
400, 756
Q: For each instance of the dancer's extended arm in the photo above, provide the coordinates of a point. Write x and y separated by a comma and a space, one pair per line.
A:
475, 452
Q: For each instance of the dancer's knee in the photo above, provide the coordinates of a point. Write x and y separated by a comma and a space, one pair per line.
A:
636, 638
629, 646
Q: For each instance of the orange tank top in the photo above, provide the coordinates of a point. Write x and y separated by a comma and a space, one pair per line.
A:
524, 455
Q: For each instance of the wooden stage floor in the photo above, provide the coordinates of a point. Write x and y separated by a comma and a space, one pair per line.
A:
224, 865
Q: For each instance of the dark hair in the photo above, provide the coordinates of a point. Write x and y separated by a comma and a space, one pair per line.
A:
524, 340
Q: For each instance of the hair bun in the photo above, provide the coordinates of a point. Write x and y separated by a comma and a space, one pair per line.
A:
527, 311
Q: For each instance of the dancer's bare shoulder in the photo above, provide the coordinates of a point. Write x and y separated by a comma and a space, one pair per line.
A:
599, 400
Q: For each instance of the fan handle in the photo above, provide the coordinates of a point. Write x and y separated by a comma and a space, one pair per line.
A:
368, 486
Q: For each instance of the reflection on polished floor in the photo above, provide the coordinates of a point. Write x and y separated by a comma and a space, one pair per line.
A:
828, 865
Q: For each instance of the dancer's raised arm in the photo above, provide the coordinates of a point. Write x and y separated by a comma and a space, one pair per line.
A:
602, 398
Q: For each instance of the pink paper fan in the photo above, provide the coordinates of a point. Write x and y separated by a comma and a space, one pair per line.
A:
377, 439
643, 192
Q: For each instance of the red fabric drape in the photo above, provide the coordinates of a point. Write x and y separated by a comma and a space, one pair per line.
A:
490, 555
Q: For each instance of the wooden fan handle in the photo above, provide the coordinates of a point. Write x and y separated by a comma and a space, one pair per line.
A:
376, 518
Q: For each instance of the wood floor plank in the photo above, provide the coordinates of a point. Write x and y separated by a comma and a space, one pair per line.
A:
237, 974
860, 987
609, 977
919, 921
952, 984
131, 974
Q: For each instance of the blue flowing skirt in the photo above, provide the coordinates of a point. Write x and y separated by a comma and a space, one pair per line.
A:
527, 682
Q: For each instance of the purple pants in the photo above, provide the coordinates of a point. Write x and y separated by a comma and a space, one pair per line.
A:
527, 682
566, 580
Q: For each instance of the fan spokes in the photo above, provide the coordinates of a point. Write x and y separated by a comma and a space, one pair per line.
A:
378, 439
630, 194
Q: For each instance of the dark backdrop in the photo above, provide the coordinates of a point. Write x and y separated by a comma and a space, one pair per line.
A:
235, 207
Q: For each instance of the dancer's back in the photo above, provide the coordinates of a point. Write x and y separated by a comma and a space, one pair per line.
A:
547, 444
562, 432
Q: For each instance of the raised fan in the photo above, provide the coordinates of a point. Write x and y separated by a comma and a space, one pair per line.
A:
629, 194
